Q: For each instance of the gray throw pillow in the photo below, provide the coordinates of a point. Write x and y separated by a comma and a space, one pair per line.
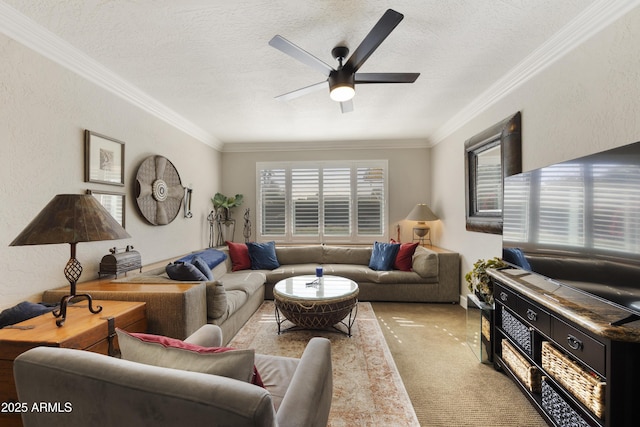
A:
201, 265
185, 271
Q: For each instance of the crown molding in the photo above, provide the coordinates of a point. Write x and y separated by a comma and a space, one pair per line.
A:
382, 144
27, 32
591, 21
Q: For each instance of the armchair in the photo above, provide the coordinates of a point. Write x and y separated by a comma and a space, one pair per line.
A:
100, 390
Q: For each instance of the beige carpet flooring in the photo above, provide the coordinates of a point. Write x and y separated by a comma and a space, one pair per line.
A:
445, 381
367, 389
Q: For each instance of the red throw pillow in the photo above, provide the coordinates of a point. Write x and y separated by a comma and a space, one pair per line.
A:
239, 253
176, 343
405, 256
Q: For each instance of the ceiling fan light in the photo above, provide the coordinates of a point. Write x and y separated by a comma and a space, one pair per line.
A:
342, 93
341, 86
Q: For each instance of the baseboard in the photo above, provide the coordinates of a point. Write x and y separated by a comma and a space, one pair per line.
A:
463, 301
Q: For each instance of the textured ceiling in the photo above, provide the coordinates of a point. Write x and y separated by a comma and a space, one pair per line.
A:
209, 61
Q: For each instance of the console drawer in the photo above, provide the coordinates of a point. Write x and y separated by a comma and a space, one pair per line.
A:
535, 316
582, 346
506, 297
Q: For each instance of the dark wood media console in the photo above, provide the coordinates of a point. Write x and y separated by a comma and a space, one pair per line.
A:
561, 347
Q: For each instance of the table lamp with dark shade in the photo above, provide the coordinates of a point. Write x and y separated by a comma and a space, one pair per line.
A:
421, 213
71, 218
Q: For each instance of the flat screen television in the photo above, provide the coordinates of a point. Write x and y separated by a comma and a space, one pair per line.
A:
578, 223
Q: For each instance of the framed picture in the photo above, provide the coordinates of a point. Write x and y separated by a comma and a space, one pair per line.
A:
112, 202
104, 159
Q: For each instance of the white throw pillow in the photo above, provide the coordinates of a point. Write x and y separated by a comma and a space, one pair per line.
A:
172, 353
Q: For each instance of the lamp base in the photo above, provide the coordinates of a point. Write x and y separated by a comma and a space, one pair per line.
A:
62, 311
421, 235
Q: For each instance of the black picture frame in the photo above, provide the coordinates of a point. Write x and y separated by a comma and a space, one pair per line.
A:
104, 159
501, 143
113, 202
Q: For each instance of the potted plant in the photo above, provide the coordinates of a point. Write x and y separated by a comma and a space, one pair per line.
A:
222, 206
479, 282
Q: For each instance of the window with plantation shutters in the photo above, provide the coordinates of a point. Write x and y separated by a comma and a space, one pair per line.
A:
330, 201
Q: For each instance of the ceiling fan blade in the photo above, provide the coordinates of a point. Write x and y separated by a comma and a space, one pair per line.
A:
346, 106
303, 91
376, 36
300, 54
386, 77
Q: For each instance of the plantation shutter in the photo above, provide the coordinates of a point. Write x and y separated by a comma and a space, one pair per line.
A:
272, 201
336, 186
305, 187
370, 200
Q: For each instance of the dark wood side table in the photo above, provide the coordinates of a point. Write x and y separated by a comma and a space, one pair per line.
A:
82, 330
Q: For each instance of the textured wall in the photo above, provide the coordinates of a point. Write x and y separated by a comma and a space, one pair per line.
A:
409, 178
43, 114
586, 102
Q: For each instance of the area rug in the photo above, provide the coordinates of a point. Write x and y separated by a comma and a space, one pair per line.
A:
367, 388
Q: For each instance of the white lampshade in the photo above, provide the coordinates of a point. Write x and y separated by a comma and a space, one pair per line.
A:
421, 213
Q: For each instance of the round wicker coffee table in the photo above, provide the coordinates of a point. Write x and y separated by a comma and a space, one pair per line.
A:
316, 303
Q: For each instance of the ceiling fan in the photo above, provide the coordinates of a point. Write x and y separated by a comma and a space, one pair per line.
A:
342, 80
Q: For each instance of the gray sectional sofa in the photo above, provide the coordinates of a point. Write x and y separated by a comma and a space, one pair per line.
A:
435, 275
233, 296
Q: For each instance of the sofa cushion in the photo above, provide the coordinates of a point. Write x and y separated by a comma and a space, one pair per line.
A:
180, 270
404, 259
346, 255
276, 373
176, 354
211, 256
245, 281
405, 277
263, 255
239, 254
299, 254
383, 256
235, 300
286, 271
357, 273
425, 262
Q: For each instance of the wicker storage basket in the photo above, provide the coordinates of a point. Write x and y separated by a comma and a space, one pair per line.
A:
517, 330
588, 388
316, 314
486, 328
554, 405
528, 374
